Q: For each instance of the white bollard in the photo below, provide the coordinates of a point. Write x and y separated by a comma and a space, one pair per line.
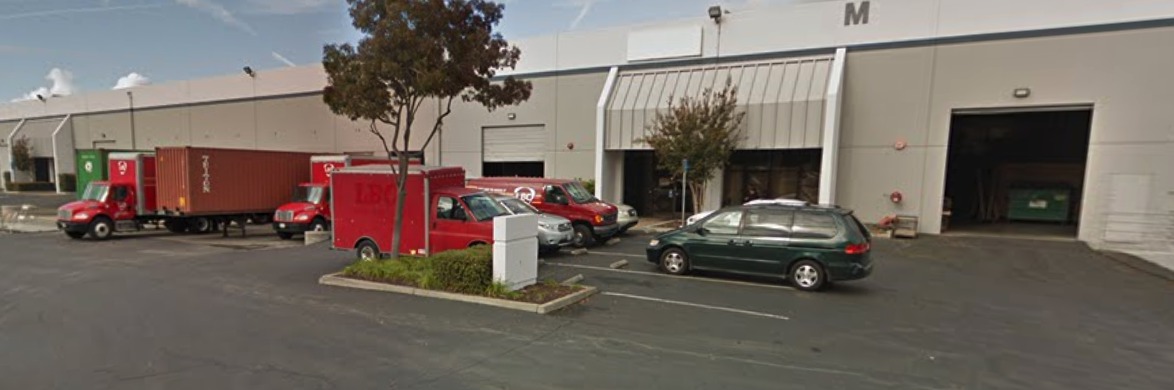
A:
515, 250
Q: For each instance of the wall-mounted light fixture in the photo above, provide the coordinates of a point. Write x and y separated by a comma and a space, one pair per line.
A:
511, 116
715, 13
249, 71
40, 97
1022, 93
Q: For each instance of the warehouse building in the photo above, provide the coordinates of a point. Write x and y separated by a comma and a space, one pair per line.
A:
1006, 116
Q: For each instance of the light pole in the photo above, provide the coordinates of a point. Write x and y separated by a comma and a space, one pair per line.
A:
130, 96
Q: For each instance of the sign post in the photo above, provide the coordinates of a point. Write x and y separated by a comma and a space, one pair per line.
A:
684, 188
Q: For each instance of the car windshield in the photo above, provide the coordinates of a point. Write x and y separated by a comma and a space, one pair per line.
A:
308, 194
579, 194
96, 192
483, 207
518, 207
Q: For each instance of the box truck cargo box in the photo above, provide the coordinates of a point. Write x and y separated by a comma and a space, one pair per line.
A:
439, 212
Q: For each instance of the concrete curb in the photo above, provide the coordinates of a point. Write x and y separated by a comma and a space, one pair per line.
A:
1140, 264
337, 280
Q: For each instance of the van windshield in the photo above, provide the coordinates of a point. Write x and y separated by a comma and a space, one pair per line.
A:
580, 194
96, 192
483, 207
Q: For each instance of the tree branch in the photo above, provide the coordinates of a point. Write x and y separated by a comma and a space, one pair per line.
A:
439, 122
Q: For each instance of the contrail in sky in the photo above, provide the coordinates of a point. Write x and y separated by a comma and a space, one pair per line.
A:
77, 11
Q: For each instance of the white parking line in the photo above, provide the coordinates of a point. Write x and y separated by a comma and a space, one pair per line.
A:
722, 281
640, 255
698, 305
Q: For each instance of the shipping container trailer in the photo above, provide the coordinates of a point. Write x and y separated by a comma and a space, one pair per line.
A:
439, 212
185, 189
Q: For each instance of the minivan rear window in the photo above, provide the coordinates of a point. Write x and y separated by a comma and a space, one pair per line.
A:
859, 227
814, 225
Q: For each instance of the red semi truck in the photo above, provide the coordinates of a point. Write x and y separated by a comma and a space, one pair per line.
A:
592, 219
310, 208
186, 189
439, 212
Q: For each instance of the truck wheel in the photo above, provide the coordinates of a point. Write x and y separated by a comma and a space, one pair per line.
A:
76, 235
319, 225
101, 229
367, 251
583, 237
176, 225
284, 235
200, 225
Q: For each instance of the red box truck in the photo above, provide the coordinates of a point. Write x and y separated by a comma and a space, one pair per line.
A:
591, 218
185, 189
310, 208
439, 212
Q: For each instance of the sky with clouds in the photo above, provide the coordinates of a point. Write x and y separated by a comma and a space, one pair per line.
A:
72, 46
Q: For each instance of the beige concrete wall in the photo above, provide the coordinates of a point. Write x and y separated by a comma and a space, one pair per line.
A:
910, 94
565, 105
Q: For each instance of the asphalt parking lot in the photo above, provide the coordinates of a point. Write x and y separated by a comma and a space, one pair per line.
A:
163, 311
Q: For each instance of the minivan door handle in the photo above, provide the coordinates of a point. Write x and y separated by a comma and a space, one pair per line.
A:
743, 242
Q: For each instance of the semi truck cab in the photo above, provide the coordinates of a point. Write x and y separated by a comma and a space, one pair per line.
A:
112, 205
309, 210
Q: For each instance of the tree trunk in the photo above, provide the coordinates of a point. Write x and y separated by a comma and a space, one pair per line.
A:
401, 193
697, 189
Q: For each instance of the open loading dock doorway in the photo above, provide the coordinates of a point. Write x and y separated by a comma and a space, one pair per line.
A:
1016, 172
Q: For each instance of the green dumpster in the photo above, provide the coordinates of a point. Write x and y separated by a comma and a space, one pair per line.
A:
91, 166
1039, 204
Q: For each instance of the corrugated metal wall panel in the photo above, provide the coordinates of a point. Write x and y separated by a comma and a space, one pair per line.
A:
514, 144
233, 180
783, 100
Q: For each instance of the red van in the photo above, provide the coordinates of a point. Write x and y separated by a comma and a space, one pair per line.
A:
592, 218
439, 212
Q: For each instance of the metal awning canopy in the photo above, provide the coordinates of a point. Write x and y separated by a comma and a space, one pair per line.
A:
784, 100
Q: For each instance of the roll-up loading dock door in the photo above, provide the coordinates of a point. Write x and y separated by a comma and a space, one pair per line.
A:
514, 151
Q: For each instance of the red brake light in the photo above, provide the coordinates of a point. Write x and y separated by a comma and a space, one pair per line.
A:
857, 249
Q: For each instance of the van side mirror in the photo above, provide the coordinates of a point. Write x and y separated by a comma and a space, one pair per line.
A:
701, 231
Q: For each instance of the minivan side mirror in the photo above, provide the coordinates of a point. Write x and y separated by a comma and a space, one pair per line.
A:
702, 231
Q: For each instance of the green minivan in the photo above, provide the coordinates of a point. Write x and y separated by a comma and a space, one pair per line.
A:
811, 246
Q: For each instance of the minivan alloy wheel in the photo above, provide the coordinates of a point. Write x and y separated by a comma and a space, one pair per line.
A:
806, 275
674, 262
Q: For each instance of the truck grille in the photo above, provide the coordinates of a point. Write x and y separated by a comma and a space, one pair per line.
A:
64, 215
609, 219
562, 227
284, 216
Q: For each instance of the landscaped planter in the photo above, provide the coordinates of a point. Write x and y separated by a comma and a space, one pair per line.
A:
539, 298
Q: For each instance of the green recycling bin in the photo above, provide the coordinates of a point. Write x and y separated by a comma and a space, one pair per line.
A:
1039, 204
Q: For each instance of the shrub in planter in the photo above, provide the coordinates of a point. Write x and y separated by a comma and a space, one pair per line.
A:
68, 182
467, 271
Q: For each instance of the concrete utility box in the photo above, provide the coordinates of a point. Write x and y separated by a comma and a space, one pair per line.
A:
515, 250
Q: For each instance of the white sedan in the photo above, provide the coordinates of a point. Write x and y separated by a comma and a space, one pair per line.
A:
780, 201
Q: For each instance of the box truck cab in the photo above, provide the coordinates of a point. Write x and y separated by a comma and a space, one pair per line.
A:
591, 218
439, 212
309, 210
115, 204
